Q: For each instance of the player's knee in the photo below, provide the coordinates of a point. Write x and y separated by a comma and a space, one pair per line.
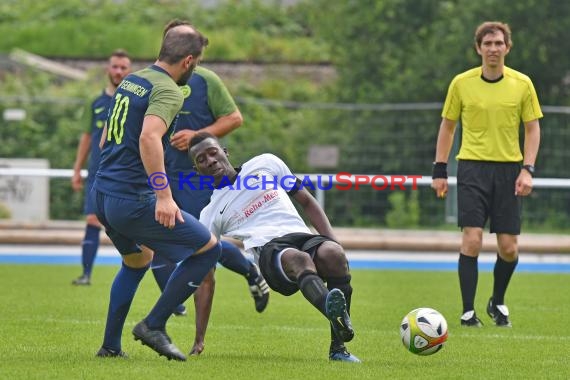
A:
472, 241
295, 259
212, 243
295, 262
91, 219
508, 253
139, 259
471, 249
210, 254
508, 247
331, 260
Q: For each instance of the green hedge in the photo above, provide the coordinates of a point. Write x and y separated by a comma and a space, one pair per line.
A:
238, 31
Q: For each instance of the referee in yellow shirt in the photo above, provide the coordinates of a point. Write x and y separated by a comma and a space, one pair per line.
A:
491, 101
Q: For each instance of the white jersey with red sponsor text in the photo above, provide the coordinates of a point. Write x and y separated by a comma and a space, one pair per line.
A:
256, 207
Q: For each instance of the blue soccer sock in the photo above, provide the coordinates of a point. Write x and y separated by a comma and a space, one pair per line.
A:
181, 285
234, 260
162, 270
122, 293
89, 248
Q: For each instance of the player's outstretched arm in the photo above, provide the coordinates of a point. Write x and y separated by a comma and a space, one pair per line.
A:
443, 147
167, 212
316, 214
203, 299
83, 149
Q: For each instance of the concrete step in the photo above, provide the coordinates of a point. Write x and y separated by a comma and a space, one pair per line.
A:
71, 233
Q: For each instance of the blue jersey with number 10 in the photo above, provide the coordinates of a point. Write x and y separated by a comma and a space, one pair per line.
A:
150, 91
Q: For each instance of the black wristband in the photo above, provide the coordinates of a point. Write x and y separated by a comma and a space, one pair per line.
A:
439, 170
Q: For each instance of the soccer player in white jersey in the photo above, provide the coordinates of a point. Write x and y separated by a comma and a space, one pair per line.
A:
252, 204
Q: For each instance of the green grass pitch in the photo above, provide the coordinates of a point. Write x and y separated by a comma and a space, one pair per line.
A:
51, 330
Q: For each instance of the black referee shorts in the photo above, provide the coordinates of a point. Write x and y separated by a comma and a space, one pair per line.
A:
486, 190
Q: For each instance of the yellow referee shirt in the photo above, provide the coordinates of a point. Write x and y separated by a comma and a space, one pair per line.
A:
491, 113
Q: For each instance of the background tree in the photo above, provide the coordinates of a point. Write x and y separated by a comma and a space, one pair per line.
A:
408, 50
387, 54
401, 51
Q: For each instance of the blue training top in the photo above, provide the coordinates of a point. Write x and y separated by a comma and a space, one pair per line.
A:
206, 99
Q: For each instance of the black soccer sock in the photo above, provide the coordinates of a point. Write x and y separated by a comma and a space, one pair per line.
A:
468, 275
502, 274
343, 284
314, 290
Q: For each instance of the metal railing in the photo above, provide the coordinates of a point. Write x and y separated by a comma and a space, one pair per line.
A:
324, 179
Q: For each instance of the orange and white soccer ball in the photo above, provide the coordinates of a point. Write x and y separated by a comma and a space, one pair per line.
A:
423, 331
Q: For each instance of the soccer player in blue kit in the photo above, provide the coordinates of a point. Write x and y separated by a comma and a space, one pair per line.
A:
118, 67
138, 214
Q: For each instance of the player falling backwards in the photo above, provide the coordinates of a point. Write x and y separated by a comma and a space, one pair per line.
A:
291, 258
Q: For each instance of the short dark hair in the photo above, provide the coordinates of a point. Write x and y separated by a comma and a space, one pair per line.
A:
120, 53
490, 27
179, 43
199, 137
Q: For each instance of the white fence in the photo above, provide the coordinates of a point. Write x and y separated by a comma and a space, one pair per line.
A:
547, 183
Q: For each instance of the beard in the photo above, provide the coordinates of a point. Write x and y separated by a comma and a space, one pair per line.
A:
116, 81
184, 78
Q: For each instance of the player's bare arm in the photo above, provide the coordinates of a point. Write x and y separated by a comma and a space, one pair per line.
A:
82, 152
152, 155
523, 184
443, 147
314, 211
103, 137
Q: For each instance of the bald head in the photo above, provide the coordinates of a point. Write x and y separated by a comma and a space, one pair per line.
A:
174, 23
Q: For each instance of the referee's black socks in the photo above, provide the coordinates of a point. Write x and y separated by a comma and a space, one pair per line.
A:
468, 275
502, 274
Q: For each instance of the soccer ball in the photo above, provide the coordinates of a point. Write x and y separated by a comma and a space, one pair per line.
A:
423, 331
